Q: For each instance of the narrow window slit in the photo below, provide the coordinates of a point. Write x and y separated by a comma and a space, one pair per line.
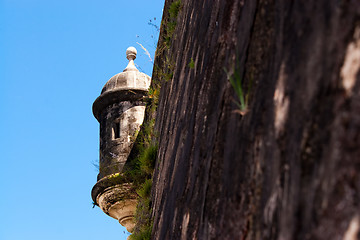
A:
116, 130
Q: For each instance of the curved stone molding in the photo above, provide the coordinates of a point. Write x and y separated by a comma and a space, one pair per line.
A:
118, 202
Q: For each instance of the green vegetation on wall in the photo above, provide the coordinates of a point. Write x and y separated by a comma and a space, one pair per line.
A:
141, 169
172, 21
236, 82
191, 64
164, 70
144, 153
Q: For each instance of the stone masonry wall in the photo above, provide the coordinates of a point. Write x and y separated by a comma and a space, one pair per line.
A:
290, 167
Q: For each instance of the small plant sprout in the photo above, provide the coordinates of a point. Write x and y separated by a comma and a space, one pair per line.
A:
236, 82
191, 64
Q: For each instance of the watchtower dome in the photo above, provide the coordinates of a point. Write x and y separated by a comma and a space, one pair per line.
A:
120, 110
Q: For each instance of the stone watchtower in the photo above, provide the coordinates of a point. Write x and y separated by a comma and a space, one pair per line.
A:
120, 111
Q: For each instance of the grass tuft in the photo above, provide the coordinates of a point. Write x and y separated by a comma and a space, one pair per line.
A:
147, 159
145, 189
236, 82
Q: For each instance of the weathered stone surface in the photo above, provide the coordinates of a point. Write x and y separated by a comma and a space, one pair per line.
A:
114, 151
119, 204
290, 167
120, 111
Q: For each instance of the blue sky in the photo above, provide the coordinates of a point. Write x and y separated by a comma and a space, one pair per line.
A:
55, 56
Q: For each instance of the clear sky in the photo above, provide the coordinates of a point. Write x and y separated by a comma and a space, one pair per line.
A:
55, 56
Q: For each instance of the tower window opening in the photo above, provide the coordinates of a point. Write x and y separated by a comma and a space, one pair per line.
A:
116, 130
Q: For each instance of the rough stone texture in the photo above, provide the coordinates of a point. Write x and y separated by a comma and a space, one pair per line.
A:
120, 110
116, 202
114, 152
290, 167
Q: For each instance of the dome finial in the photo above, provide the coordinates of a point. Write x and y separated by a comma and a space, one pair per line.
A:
131, 55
